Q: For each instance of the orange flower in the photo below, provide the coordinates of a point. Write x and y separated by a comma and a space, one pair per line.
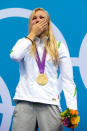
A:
76, 112
75, 120
73, 112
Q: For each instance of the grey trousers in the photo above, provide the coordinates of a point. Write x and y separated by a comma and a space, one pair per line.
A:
29, 116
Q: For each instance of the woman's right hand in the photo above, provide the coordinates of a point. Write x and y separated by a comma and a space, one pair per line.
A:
38, 28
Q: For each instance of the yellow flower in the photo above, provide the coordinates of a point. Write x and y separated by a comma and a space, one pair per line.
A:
75, 120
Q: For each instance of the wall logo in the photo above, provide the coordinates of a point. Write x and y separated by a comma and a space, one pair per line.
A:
81, 62
6, 107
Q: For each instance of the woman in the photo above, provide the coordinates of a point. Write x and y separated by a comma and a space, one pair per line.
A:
37, 95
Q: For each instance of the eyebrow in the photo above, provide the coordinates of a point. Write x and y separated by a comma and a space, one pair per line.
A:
34, 17
39, 16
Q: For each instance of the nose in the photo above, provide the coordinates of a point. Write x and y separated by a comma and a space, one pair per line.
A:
37, 21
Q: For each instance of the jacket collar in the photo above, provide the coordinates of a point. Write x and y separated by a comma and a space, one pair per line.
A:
40, 42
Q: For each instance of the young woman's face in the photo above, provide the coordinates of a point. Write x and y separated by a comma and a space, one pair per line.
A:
39, 15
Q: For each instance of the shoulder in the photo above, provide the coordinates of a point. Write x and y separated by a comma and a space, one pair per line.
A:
21, 43
61, 45
62, 49
23, 39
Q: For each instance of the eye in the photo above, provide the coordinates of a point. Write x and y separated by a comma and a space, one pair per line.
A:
34, 18
41, 17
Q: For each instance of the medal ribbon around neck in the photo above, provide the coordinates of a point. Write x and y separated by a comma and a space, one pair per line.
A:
41, 64
42, 78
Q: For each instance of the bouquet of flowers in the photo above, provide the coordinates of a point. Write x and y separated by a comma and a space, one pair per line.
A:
70, 118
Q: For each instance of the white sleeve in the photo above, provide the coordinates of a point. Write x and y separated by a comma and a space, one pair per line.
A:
19, 49
66, 72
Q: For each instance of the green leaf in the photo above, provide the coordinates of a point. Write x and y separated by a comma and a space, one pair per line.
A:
65, 113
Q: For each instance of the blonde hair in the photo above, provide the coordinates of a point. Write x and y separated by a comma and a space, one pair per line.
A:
51, 45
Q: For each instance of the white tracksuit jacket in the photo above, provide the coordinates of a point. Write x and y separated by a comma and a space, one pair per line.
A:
28, 88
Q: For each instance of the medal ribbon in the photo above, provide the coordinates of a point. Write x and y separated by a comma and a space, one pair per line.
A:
41, 64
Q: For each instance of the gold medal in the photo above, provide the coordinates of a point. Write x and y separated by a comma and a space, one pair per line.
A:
42, 79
